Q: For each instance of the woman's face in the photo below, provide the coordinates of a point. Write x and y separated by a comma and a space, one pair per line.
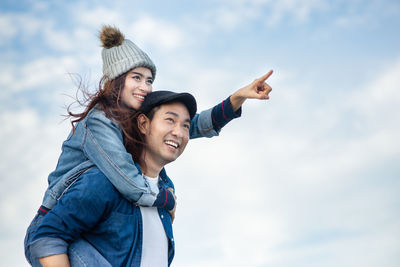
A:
138, 83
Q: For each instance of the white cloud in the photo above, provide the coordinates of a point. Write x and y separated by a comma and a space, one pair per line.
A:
299, 8
95, 17
232, 14
7, 31
380, 99
19, 25
230, 17
40, 72
365, 13
143, 30
59, 40
156, 32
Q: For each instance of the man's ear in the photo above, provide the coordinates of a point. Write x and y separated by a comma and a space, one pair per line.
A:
143, 123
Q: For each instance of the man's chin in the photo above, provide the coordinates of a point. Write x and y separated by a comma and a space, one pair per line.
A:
171, 158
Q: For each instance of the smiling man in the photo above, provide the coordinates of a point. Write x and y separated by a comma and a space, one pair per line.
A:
92, 214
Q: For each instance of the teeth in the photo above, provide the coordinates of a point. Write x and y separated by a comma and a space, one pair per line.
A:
139, 96
172, 144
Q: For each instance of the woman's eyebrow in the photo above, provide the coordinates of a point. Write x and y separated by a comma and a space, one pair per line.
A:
140, 74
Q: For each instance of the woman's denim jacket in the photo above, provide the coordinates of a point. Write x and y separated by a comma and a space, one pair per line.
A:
99, 141
93, 210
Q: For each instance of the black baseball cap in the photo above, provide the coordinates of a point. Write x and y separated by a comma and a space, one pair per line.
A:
158, 98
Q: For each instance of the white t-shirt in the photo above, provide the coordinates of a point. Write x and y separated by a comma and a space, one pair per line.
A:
155, 242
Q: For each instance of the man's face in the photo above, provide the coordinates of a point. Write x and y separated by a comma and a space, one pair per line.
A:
168, 133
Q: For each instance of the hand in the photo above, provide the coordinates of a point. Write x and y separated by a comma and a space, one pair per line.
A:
258, 89
58, 260
172, 212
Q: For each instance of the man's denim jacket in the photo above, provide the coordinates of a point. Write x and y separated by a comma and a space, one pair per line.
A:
99, 141
92, 209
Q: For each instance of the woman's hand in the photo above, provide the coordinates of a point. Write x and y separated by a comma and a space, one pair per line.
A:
172, 212
258, 89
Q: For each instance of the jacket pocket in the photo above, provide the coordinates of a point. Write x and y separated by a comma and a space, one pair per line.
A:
120, 230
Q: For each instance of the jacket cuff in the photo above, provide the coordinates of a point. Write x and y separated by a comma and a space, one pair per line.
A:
223, 113
165, 200
146, 200
48, 246
205, 124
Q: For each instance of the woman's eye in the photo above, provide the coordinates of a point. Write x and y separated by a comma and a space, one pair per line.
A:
137, 78
170, 119
149, 81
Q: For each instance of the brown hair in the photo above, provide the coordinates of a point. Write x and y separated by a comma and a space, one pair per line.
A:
134, 140
135, 146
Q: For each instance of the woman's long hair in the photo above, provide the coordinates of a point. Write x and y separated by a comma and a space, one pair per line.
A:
108, 99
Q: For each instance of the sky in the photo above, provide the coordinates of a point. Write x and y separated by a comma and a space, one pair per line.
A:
308, 178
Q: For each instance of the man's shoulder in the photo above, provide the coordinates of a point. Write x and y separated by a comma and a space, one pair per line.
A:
93, 180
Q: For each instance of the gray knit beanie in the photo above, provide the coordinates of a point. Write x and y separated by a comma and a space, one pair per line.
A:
121, 55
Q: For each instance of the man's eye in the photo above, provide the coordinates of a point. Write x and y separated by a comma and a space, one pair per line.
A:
170, 119
187, 126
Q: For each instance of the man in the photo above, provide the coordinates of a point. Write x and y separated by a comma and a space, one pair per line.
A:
94, 214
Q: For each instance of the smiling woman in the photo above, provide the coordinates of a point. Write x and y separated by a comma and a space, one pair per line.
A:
138, 83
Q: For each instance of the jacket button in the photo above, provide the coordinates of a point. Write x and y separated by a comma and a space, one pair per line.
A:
162, 216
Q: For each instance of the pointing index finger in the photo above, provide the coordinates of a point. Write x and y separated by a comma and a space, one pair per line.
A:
266, 76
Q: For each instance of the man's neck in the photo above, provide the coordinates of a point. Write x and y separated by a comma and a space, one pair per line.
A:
151, 168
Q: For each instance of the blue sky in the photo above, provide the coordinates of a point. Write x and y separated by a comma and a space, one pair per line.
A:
308, 178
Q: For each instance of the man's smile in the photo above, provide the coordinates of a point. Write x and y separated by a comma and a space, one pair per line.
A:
172, 143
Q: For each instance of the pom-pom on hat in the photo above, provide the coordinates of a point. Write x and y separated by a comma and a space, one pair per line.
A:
121, 55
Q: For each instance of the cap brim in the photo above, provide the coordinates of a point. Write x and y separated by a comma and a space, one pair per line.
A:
158, 98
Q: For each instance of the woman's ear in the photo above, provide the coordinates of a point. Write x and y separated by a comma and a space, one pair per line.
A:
143, 123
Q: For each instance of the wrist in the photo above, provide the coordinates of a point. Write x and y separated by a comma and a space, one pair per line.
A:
237, 99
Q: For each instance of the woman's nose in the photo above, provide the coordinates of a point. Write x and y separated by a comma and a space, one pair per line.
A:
145, 87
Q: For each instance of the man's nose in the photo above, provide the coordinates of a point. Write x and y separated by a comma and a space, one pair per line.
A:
178, 131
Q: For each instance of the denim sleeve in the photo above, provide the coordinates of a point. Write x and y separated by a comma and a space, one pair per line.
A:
202, 126
86, 202
104, 146
47, 246
210, 122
